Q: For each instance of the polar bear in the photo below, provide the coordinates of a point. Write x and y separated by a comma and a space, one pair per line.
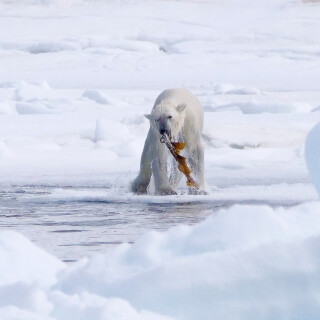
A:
178, 114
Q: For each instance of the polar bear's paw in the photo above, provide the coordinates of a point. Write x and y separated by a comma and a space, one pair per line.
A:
139, 188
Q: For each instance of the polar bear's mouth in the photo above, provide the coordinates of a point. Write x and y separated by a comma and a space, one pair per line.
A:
165, 132
165, 136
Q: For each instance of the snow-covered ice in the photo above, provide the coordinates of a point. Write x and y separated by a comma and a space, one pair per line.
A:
76, 79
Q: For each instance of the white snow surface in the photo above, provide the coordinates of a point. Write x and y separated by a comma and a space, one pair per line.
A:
76, 79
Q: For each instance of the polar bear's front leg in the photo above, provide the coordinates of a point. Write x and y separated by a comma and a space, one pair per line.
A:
160, 170
141, 182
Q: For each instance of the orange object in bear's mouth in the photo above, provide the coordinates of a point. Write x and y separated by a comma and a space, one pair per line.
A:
175, 149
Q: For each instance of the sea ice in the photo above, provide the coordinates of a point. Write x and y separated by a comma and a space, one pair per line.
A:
313, 155
253, 65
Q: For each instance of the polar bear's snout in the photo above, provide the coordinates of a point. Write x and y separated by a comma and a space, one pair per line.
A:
164, 125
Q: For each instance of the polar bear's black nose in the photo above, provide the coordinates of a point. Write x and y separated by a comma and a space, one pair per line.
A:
162, 131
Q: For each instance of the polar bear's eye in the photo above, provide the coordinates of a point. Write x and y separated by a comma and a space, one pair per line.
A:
169, 117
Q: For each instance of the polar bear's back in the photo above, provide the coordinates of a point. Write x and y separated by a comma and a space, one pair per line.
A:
193, 110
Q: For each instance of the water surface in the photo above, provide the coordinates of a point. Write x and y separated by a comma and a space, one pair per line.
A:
73, 227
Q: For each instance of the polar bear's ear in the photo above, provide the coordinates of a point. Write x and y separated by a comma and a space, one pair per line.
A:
148, 116
181, 107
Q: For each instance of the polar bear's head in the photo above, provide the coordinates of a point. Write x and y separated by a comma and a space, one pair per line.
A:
167, 118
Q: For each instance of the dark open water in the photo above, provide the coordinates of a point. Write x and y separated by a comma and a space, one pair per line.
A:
71, 228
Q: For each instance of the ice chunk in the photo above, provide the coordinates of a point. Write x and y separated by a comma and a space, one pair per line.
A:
312, 154
257, 107
22, 261
231, 89
96, 96
33, 91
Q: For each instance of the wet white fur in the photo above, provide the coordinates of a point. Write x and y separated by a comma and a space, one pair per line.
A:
186, 126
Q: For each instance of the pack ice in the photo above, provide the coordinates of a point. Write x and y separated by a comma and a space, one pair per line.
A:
76, 78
